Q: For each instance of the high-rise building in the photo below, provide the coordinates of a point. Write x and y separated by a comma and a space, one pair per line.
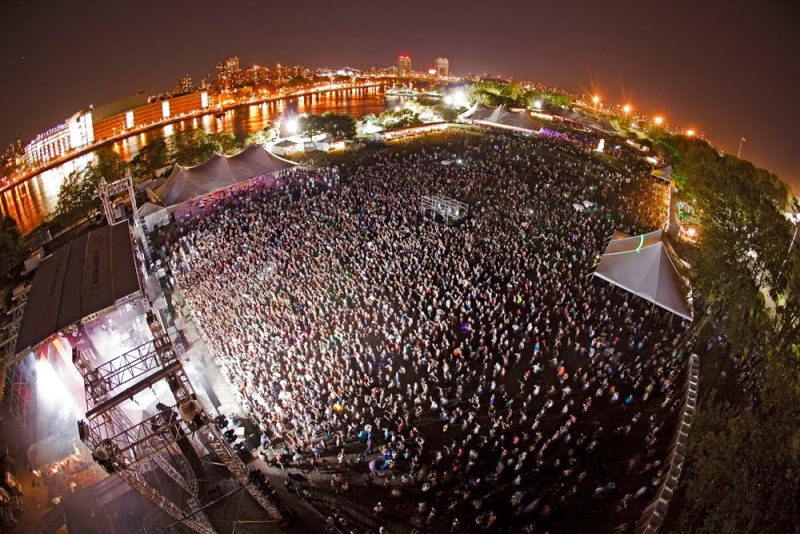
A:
404, 66
185, 85
255, 75
228, 73
442, 67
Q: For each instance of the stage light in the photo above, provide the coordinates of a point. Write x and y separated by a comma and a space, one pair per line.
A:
52, 390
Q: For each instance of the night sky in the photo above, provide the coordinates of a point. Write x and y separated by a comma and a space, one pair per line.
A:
729, 68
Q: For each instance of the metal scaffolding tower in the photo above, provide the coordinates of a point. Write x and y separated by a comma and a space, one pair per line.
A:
20, 390
108, 191
449, 209
125, 448
20, 376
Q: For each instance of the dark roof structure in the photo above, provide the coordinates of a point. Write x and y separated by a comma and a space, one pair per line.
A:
219, 172
88, 275
502, 116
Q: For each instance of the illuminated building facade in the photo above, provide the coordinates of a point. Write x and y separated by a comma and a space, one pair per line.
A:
151, 113
185, 85
255, 75
228, 73
404, 66
76, 132
442, 67
47, 146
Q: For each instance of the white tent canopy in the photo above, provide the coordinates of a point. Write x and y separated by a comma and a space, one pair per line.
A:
217, 173
501, 116
642, 266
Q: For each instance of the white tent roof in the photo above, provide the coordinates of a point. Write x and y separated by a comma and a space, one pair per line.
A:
501, 116
642, 266
149, 208
219, 172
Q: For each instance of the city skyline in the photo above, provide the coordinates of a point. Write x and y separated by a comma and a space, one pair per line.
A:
718, 67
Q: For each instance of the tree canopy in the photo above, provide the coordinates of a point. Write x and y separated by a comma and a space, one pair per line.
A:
151, 157
754, 457
12, 247
743, 257
399, 118
336, 124
193, 147
513, 94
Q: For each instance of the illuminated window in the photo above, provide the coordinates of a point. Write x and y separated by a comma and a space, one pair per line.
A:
165, 109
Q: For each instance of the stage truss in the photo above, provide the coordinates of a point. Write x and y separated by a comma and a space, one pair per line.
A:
20, 390
130, 450
20, 386
108, 191
449, 209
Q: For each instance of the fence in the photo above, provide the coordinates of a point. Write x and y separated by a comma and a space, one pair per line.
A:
655, 512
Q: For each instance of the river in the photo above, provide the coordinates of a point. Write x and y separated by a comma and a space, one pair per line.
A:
33, 202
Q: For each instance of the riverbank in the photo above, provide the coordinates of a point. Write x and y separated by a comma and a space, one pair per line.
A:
178, 118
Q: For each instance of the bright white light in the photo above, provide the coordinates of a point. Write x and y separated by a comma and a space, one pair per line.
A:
51, 389
691, 231
537, 104
659, 120
448, 100
397, 108
626, 109
291, 125
690, 133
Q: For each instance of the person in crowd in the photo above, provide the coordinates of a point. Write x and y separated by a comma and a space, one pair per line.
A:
479, 359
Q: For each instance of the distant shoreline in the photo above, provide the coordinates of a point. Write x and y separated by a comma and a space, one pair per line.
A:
172, 120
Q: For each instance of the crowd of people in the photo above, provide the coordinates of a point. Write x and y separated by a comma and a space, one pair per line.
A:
475, 369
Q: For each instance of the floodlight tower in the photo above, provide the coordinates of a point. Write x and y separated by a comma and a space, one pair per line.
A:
127, 449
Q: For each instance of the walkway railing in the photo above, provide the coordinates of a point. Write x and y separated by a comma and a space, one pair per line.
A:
655, 512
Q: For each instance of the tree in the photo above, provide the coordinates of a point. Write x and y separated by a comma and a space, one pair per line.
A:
262, 136
337, 125
227, 142
399, 119
108, 164
12, 247
744, 468
78, 196
150, 158
194, 146
298, 81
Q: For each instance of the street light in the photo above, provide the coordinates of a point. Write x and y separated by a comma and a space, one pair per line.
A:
659, 120
626, 109
690, 133
596, 100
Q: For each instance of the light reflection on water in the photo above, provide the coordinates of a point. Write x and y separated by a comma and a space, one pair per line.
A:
32, 202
